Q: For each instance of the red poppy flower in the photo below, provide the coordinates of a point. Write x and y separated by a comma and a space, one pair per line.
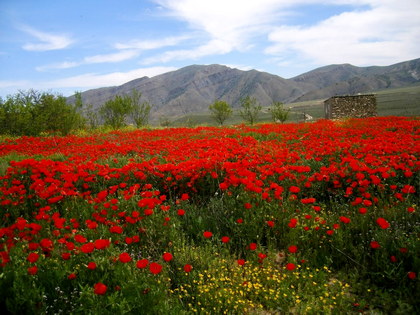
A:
46, 244
253, 246
225, 239
181, 212
290, 266
292, 223
100, 288
374, 245
247, 205
102, 243
241, 262
87, 248
167, 257
294, 189
65, 256
124, 257
71, 276
142, 263
411, 275
91, 265
116, 229
270, 223
362, 210
32, 257
155, 268
80, 238
33, 270
384, 224
187, 268
207, 234
345, 220
292, 249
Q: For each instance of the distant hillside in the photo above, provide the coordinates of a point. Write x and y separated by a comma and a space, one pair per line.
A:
347, 79
192, 89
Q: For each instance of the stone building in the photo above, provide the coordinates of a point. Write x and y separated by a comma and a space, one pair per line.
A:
356, 106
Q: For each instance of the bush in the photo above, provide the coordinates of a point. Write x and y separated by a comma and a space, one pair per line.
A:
32, 113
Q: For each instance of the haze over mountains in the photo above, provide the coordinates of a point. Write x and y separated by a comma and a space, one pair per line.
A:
193, 88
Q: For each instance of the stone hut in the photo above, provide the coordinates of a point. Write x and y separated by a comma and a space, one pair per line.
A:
356, 106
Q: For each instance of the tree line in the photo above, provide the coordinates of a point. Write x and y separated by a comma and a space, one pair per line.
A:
249, 111
33, 113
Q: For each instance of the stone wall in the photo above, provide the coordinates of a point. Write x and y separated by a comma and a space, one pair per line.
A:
356, 106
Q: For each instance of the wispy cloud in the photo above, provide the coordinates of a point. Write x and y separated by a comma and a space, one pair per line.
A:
47, 41
102, 58
213, 47
224, 25
152, 44
381, 35
114, 57
370, 32
84, 81
125, 51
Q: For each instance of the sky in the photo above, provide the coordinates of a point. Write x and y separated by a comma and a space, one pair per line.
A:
63, 46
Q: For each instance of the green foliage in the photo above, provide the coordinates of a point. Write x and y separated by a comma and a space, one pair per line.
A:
278, 113
220, 111
250, 109
116, 111
32, 113
140, 110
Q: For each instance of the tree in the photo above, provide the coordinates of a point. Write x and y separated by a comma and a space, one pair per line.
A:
115, 111
220, 111
33, 112
278, 112
140, 110
250, 109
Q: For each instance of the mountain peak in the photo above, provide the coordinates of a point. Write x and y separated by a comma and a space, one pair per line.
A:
195, 87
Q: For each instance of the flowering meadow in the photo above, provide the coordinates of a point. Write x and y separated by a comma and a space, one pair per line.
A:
303, 218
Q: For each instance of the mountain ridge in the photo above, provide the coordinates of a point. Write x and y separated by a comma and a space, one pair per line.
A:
193, 88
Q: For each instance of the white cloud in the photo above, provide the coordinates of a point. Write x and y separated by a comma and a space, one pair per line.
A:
372, 32
92, 80
114, 57
224, 25
151, 44
84, 81
388, 32
58, 66
47, 41
213, 47
103, 58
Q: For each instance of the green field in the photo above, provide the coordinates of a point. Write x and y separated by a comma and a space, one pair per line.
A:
391, 102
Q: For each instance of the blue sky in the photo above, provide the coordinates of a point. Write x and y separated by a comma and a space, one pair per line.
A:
65, 46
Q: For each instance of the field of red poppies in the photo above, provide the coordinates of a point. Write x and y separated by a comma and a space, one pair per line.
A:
279, 218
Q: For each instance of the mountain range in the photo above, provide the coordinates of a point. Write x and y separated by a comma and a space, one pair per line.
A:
193, 88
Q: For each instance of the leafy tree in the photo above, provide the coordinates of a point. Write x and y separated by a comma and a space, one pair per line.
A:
278, 112
115, 111
220, 111
92, 116
33, 112
140, 110
250, 109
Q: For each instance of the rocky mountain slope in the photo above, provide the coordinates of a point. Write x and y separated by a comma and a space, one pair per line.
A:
192, 89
